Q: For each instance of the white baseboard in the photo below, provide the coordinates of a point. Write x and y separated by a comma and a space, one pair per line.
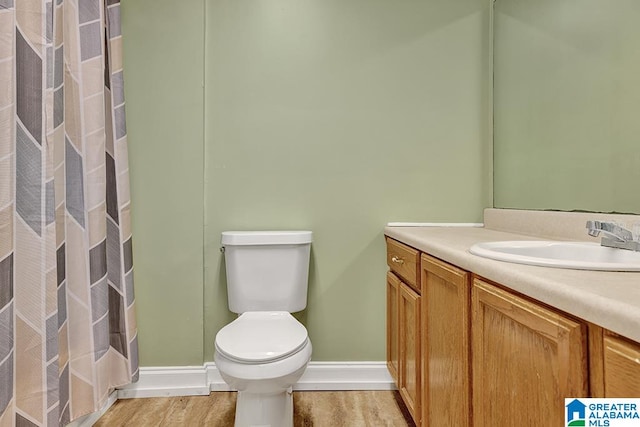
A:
346, 376
167, 381
90, 419
200, 380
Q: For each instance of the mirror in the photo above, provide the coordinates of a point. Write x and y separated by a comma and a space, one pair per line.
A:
567, 105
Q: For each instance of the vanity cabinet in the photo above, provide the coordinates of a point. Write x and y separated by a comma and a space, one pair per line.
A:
465, 351
403, 324
526, 359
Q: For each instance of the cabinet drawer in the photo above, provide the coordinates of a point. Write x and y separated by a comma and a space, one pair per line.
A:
404, 260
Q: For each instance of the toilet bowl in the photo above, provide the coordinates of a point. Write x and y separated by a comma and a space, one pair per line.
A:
262, 355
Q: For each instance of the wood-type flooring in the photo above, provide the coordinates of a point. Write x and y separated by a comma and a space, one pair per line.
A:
313, 408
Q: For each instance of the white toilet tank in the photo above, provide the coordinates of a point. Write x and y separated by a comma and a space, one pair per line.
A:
267, 270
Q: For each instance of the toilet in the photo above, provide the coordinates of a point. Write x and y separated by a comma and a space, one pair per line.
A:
265, 350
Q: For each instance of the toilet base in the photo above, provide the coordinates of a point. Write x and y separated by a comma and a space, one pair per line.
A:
264, 410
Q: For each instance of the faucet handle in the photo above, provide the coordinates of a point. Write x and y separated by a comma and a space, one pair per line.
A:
622, 231
635, 231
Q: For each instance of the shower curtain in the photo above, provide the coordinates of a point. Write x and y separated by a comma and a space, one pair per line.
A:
67, 319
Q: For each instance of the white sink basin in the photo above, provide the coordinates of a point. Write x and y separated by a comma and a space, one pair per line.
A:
574, 255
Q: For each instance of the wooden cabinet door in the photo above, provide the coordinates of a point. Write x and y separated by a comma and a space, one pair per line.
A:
446, 372
621, 367
410, 379
393, 325
526, 360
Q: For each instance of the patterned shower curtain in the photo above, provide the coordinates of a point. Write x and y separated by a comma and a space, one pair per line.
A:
67, 321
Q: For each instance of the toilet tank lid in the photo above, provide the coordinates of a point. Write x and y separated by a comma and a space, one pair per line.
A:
292, 237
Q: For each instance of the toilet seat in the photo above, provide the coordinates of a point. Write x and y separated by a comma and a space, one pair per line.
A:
261, 336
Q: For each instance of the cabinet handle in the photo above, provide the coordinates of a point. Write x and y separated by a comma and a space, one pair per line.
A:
397, 260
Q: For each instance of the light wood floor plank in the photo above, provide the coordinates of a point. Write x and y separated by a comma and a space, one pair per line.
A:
317, 409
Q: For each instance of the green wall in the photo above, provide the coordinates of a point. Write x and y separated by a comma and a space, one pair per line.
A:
163, 88
325, 115
567, 102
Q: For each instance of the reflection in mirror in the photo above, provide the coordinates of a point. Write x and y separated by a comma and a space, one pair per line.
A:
567, 105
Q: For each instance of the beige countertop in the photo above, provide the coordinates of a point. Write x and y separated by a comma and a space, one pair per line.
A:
607, 299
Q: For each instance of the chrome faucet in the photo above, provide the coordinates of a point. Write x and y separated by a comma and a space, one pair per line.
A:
614, 235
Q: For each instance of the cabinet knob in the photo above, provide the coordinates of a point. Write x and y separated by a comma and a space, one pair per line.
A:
397, 260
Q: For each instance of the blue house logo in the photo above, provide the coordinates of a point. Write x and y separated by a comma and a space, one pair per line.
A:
576, 413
